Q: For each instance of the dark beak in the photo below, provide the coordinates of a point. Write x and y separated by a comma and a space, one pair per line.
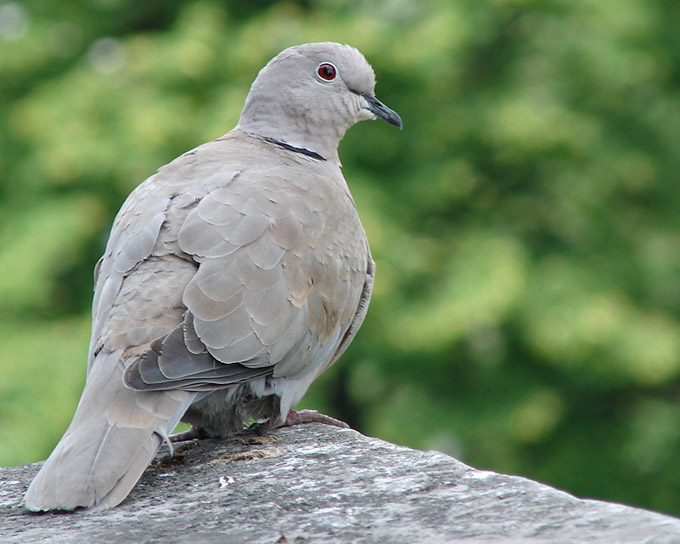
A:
382, 111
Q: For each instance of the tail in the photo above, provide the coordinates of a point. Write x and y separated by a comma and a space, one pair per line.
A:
114, 435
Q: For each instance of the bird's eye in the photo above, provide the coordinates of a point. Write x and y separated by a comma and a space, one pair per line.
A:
326, 71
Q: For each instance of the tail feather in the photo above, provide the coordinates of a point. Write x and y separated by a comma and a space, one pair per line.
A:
131, 476
113, 437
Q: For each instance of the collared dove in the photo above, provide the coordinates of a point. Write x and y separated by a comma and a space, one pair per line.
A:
232, 278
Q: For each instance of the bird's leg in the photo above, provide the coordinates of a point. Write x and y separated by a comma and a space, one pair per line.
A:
195, 433
297, 418
294, 417
311, 416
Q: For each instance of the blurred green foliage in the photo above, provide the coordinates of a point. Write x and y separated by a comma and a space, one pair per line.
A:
526, 314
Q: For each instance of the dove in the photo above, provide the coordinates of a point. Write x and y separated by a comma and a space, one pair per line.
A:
232, 278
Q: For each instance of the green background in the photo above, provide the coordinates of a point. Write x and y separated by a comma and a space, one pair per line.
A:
526, 313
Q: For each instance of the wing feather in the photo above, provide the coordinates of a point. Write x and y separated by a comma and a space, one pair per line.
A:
275, 291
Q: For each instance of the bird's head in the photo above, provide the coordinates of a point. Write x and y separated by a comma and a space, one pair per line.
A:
309, 95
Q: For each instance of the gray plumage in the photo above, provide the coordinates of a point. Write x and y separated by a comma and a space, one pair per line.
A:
232, 278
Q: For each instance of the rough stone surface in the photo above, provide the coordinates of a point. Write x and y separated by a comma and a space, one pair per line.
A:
318, 484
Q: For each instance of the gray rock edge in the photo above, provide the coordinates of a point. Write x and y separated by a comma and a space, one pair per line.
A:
318, 484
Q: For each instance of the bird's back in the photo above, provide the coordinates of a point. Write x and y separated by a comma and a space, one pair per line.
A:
234, 214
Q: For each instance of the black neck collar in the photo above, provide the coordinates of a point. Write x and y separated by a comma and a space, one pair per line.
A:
289, 147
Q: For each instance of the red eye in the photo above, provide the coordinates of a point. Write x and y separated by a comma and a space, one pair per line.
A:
326, 71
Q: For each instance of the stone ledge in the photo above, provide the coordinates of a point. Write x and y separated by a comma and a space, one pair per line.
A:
319, 484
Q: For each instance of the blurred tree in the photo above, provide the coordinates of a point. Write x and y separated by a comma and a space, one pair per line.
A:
526, 315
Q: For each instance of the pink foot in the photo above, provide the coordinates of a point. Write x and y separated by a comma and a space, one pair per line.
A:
192, 434
312, 416
298, 418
